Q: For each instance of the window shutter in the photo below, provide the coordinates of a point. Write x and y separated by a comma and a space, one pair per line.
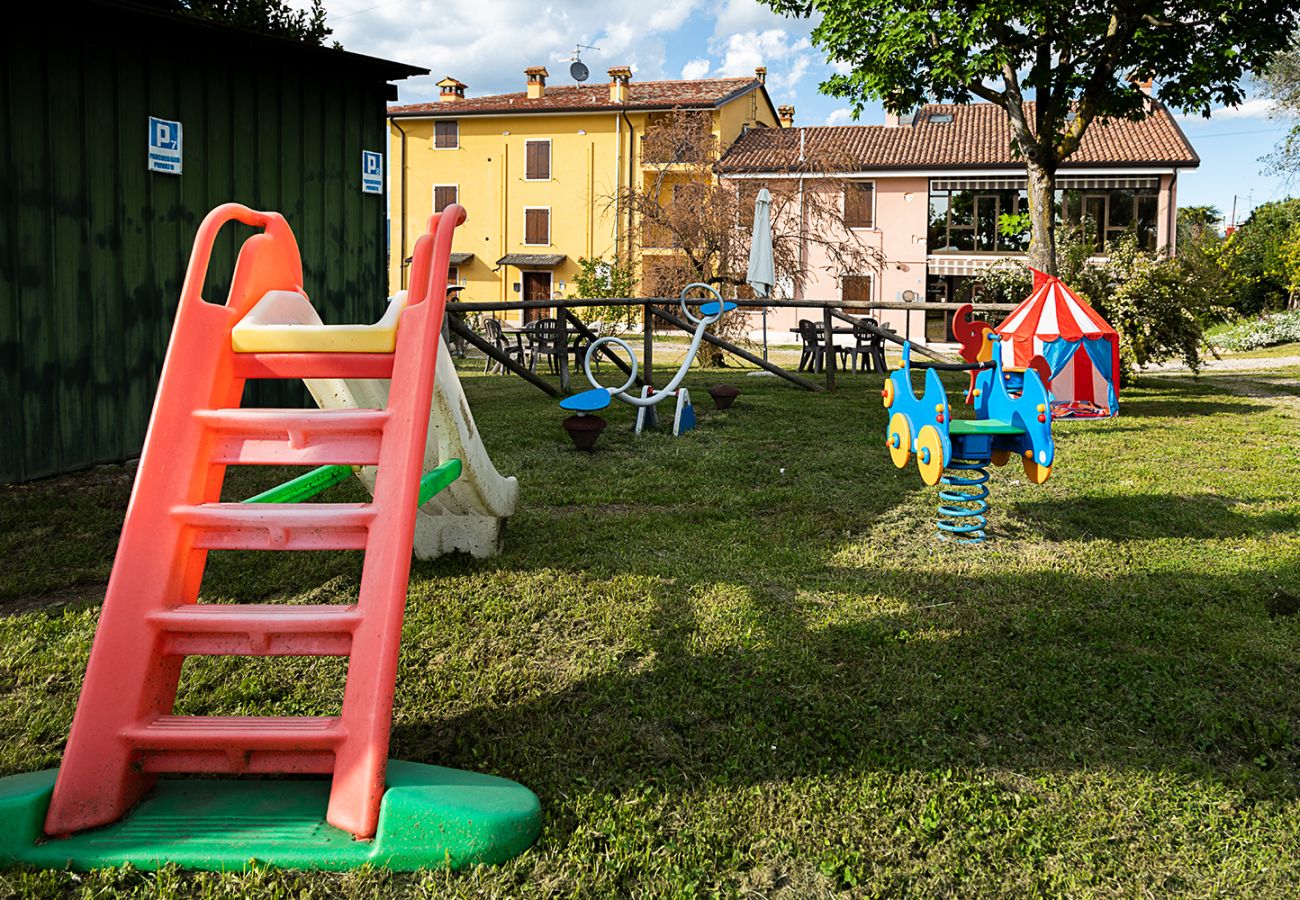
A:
857, 204
538, 160
446, 135
444, 195
537, 226
855, 293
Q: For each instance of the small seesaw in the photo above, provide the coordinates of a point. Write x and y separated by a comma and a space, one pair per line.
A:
587, 403
1012, 418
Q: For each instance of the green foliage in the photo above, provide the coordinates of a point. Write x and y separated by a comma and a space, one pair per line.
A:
1266, 331
1281, 82
275, 17
1259, 250
1158, 304
1005, 282
606, 278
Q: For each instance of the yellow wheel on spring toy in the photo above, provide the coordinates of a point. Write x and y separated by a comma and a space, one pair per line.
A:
1036, 473
899, 440
1001, 457
887, 393
929, 455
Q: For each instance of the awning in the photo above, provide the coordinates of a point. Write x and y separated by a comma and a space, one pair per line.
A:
459, 259
532, 260
963, 265
1063, 182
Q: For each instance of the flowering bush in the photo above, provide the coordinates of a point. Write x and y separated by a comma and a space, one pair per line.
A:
1279, 328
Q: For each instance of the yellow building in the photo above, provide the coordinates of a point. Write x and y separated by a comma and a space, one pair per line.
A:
540, 171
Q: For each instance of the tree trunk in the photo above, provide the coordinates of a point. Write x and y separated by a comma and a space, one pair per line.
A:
1042, 218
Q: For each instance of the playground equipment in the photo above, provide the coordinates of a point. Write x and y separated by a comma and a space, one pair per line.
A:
1011, 418
125, 733
599, 397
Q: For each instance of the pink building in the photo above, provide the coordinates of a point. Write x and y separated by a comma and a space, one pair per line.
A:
927, 193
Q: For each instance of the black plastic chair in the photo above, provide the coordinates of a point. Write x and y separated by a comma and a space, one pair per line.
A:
492, 331
868, 349
543, 337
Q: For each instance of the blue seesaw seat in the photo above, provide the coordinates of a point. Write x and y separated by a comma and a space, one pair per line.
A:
587, 401
711, 308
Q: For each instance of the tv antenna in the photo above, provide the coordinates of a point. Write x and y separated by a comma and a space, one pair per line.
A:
578, 69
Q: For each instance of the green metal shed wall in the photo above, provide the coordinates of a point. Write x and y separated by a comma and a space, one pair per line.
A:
95, 246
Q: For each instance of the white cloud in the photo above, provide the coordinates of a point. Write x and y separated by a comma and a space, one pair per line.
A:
842, 116
1254, 108
696, 68
787, 57
488, 45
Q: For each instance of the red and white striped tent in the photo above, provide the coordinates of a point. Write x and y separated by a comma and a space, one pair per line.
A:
1081, 349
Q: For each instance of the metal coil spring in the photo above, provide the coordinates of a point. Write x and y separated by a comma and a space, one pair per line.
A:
963, 505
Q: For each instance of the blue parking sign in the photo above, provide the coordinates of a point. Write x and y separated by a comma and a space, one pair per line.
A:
372, 172
164, 146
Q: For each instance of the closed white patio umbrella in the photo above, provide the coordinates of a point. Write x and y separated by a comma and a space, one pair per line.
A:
762, 275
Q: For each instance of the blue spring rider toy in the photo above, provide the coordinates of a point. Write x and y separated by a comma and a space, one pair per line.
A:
1012, 417
599, 396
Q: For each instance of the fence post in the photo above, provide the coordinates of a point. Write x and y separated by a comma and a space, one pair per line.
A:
648, 350
828, 337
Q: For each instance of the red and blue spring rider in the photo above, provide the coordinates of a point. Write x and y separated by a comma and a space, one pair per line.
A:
1012, 416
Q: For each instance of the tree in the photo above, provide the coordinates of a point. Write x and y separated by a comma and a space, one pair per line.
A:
1195, 222
603, 279
1081, 61
1258, 251
274, 17
1281, 82
693, 227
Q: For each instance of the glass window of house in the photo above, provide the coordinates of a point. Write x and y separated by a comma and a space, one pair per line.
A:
1147, 206
937, 239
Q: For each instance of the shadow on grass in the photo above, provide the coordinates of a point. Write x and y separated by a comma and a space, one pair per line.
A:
1182, 408
1141, 517
1019, 673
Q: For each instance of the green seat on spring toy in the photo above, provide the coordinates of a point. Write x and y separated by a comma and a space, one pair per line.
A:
982, 426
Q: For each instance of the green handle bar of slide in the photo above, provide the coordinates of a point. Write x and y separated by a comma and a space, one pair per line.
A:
304, 487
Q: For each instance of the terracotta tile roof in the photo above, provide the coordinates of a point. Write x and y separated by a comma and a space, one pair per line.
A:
705, 92
978, 136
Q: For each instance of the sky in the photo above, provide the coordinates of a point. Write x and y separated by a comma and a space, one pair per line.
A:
488, 43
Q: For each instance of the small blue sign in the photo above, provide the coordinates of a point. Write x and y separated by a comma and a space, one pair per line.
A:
372, 172
164, 146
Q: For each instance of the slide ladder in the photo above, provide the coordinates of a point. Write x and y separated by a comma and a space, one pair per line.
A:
125, 732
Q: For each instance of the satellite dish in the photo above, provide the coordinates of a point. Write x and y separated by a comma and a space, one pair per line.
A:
579, 70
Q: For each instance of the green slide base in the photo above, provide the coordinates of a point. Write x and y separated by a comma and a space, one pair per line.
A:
430, 817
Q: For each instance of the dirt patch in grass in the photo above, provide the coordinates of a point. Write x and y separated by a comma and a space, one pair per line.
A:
78, 597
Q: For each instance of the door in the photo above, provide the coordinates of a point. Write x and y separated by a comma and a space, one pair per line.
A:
536, 286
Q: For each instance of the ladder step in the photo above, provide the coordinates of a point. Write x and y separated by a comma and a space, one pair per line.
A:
313, 365
295, 436
237, 744
256, 629
278, 526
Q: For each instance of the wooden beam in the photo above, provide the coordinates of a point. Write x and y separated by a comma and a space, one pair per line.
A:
743, 354
468, 334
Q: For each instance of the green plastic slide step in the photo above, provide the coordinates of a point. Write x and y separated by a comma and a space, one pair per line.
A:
306, 486
430, 817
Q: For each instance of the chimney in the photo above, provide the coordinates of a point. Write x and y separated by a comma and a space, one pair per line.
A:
761, 74
451, 90
787, 116
1144, 84
619, 77
892, 119
536, 82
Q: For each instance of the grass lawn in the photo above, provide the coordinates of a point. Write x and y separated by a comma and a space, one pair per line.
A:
739, 663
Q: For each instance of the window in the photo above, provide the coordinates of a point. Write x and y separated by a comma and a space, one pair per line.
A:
537, 160
444, 195
971, 221
453, 275
859, 204
537, 225
446, 135
1102, 217
855, 293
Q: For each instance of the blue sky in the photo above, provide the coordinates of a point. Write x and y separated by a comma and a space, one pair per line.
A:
488, 43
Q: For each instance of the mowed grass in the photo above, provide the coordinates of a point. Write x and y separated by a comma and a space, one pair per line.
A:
739, 663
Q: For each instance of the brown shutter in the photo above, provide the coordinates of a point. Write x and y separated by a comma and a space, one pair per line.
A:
538, 160
855, 293
537, 226
444, 195
857, 204
446, 135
